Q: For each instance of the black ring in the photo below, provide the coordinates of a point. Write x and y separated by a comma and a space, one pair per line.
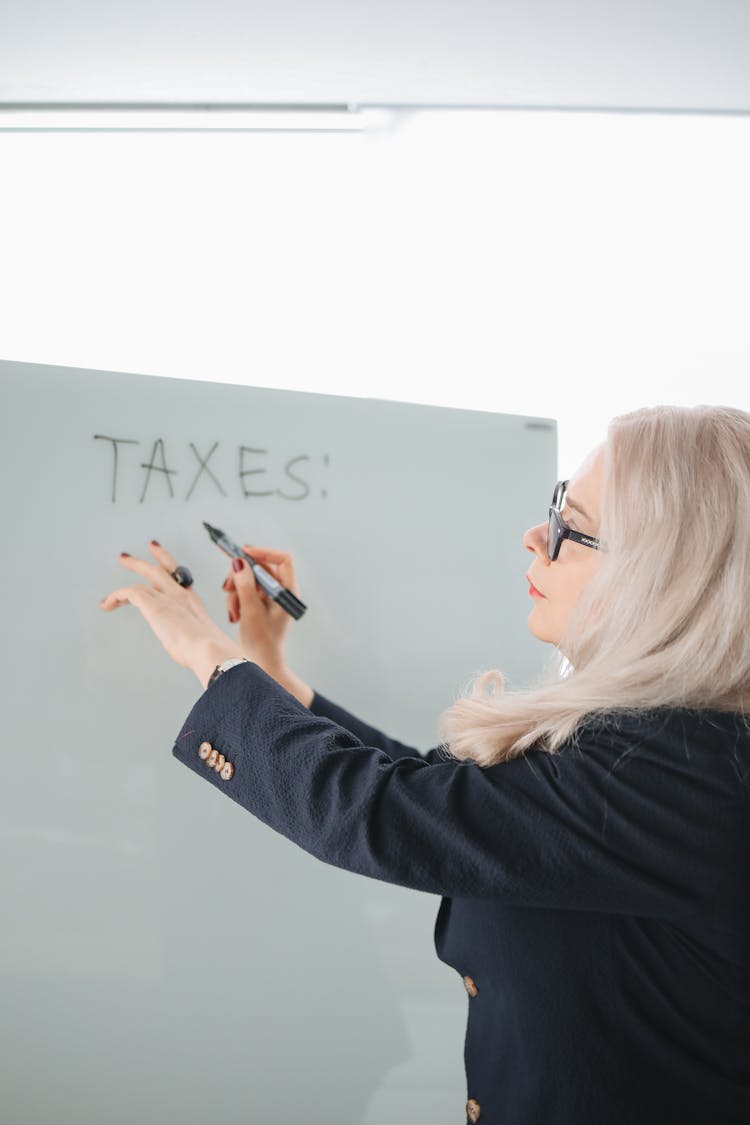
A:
182, 576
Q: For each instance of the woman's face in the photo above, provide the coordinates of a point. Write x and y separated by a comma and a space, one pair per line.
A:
563, 581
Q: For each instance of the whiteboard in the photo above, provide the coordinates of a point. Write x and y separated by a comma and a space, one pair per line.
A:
166, 956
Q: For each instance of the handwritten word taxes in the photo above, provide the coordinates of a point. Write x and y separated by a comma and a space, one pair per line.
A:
157, 472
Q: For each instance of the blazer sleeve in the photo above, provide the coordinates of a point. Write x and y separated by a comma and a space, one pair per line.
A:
563, 830
368, 735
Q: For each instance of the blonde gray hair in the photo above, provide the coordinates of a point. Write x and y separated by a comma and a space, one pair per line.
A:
664, 622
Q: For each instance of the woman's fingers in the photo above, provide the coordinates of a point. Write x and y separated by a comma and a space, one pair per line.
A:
233, 598
126, 595
169, 565
229, 584
160, 577
283, 570
279, 564
163, 557
157, 575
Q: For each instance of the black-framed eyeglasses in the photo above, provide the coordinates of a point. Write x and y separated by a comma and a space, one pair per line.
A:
557, 529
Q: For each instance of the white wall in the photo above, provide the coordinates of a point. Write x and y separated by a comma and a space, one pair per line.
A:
568, 265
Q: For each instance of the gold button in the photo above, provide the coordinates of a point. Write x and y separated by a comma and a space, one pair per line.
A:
471, 988
227, 772
219, 764
473, 1110
204, 750
213, 757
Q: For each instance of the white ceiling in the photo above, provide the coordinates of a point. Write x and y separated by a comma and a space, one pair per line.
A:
648, 54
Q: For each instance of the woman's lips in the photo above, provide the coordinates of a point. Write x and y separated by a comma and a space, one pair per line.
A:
534, 592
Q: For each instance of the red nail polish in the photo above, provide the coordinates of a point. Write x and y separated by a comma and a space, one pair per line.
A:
237, 564
126, 554
154, 543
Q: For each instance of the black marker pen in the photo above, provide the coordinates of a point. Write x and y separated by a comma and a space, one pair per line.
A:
285, 598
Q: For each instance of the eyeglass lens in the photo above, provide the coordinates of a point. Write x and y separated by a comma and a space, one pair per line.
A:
552, 533
553, 526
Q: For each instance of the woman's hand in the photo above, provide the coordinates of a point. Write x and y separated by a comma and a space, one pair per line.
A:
264, 625
176, 614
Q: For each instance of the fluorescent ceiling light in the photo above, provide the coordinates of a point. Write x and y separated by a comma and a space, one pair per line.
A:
46, 117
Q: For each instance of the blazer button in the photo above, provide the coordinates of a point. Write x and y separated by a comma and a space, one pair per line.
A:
227, 771
213, 757
204, 750
219, 764
471, 988
473, 1110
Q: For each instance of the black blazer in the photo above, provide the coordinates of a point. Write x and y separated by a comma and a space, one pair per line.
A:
596, 902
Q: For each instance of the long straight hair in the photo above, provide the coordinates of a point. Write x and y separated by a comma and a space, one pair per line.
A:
665, 621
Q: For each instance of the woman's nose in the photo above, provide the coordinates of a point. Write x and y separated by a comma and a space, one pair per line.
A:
535, 540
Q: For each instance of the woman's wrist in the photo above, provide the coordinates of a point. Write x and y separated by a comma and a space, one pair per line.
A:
211, 654
293, 684
214, 652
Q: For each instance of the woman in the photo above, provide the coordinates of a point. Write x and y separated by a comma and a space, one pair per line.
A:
590, 837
